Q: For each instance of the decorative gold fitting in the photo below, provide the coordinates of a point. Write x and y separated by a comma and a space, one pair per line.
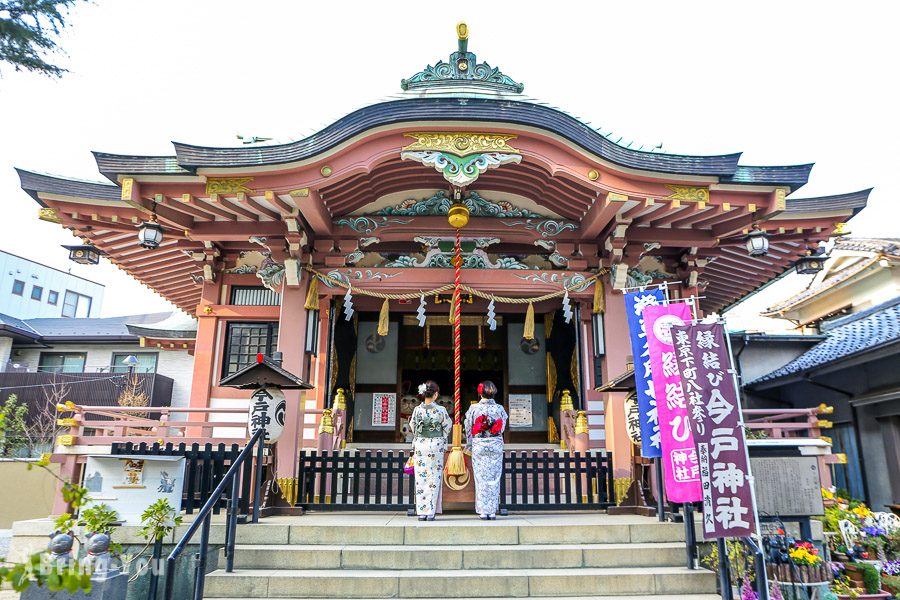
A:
581, 423
340, 400
289, 489
327, 424
841, 229
326, 171
825, 439
593, 174
458, 216
68, 406
65, 440
824, 409
841, 458
208, 310
565, 403
49, 215
67, 422
824, 424
462, 31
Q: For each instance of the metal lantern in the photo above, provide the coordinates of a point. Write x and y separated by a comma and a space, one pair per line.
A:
85, 254
757, 242
150, 234
812, 263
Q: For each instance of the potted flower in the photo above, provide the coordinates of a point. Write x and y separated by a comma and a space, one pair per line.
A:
866, 579
808, 563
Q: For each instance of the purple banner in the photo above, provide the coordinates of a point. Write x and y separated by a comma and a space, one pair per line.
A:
680, 464
635, 303
715, 414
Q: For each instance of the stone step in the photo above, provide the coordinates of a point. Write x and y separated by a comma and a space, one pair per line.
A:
526, 556
452, 533
447, 533
655, 597
495, 583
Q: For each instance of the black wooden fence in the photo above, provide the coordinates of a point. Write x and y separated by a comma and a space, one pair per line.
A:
557, 481
535, 480
345, 481
203, 470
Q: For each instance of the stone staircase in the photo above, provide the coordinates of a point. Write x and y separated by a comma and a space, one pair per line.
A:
546, 556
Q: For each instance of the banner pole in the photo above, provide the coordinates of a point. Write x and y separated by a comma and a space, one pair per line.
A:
660, 504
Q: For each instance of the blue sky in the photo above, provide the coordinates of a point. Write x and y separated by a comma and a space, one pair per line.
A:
783, 82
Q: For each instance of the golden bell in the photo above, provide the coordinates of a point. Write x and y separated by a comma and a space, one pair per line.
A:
458, 216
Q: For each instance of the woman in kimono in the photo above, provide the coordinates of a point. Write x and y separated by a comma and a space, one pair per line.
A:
430, 425
485, 422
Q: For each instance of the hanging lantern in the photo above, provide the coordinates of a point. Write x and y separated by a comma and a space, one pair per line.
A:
757, 242
85, 254
150, 233
812, 263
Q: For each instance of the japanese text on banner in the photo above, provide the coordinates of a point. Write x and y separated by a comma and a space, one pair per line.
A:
680, 464
635, 302
715, 415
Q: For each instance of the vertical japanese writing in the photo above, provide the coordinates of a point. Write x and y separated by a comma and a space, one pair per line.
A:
680, 464
635, 303
715, 416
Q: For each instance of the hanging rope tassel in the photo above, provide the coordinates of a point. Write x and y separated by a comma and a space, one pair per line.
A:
383, 319
599, 301
528, 332
312, 294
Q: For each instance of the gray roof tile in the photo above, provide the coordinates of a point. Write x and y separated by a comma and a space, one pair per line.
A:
847, 336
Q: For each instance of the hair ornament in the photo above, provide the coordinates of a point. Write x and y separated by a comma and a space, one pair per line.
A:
422, 389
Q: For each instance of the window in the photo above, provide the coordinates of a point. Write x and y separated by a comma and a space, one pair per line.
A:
244, 341
254, 296
76, 305
61, 362
146, 362
52, 297
18, 287
37, 292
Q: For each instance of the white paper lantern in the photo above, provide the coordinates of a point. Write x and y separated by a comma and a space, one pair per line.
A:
267, 407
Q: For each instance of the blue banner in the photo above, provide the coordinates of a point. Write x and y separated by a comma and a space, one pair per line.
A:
635, 302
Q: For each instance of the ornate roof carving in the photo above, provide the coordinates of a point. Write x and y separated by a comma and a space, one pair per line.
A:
462, 68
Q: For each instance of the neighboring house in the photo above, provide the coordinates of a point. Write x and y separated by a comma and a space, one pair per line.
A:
859, 274
855, 369
54, 351
30, 290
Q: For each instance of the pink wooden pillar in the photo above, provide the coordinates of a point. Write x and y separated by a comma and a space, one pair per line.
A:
618, 348
292, 345
204, 353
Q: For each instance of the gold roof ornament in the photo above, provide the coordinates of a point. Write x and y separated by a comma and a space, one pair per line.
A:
841, 229
565, 403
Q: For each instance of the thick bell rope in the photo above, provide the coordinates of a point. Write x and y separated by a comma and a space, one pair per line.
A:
456, 462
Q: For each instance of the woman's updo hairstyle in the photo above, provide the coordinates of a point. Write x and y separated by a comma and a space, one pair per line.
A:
487, 389
428, 389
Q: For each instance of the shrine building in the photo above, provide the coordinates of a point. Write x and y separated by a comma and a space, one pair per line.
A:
336, 252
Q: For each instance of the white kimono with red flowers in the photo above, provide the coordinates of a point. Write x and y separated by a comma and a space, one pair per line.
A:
485, 423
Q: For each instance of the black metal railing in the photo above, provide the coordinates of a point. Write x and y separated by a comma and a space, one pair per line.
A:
230, 481
204, 468
761, 581
375, 480
339, 480
541, 480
